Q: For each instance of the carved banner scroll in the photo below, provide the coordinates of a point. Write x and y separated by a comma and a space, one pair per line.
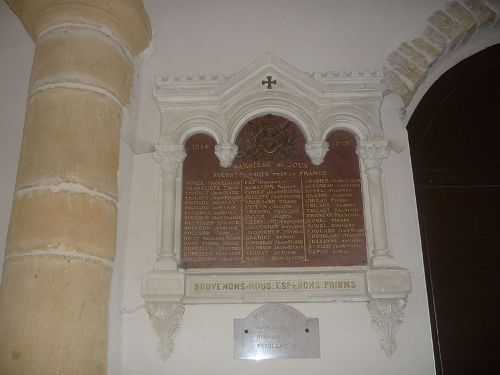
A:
272, 207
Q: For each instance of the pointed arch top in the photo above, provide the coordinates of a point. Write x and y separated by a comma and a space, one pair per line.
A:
269, 85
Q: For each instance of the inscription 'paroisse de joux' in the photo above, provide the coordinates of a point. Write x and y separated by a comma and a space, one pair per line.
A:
272, 207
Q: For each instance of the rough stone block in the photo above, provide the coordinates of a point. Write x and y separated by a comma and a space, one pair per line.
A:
427, 48
413, 55
44, 220
463, 16
494, 5
397, 85
435, 38
484, 15
126, 19
53, 316
78, 55
406, 68
70, 135
445, 24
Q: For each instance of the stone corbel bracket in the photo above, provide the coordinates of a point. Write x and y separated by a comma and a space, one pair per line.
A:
166, 318
388, 290
163, 292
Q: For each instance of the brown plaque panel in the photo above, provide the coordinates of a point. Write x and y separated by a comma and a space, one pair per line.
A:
272, 207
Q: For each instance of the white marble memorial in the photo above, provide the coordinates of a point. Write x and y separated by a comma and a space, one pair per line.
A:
318, 103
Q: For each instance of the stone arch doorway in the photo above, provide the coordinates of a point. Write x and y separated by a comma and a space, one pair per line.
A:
454, 137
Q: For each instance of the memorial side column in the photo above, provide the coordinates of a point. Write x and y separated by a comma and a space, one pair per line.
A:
373, 153
62, 234
170, 158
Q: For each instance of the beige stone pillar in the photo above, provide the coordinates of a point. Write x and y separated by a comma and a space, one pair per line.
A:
61, 242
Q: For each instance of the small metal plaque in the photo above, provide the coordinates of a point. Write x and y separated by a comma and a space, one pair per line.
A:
276, 331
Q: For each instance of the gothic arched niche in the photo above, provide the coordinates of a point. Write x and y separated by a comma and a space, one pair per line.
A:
272, 207
318, 126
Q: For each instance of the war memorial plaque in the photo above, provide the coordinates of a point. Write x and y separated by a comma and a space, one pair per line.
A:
272, 207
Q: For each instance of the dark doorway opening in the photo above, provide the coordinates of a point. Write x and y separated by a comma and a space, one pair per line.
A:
454, 137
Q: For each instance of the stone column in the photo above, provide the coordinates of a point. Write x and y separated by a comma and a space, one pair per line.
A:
170, 158
373, 153
61, 241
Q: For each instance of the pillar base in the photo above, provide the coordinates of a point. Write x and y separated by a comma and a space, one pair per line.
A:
382, 261
165, 264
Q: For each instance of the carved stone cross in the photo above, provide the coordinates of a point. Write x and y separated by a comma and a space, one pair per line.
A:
269, 82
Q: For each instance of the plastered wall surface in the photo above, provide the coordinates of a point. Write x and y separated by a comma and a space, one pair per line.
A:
196, 37
16, 58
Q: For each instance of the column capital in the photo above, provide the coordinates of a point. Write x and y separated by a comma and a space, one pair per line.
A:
127, 20
169, 157
373, 153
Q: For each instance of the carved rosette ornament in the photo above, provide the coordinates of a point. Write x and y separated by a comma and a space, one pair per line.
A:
166, 318
373, 153
386, 318
226, 152
317, 151
169, 157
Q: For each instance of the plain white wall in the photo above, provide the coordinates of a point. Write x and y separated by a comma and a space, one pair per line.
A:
16, 58
221, 36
